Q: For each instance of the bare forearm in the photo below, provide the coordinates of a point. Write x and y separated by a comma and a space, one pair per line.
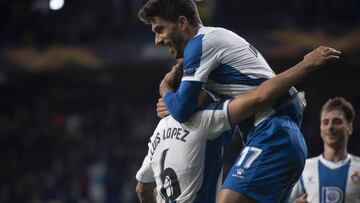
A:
272, 89
266, 94
145, 192
269, 91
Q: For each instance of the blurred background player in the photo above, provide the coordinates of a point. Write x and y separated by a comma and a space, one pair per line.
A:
227, 66
185, 159
333, 176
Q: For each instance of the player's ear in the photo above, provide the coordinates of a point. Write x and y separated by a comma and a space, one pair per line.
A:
350, 128
182, 22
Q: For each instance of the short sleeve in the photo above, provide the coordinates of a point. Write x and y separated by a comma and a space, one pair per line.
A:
145, 174
200, 59
213, 120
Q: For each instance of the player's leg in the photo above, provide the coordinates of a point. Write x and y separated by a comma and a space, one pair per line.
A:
229, 196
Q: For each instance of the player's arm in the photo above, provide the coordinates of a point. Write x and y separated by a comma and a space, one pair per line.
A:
145, 192
200, 58
146, 181
269, 91
298, 194
182, 103
203, 100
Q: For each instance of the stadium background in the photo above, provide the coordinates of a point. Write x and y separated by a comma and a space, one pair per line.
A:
79, 86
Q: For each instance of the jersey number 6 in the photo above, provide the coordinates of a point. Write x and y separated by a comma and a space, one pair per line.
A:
170, 189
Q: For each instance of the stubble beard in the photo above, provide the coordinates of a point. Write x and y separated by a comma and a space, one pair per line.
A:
178, 43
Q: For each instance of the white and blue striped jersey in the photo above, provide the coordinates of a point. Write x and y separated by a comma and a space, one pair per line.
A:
222, 63
185, 159
329, 182
226, 62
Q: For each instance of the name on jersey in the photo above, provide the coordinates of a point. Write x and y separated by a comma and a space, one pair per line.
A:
166, 134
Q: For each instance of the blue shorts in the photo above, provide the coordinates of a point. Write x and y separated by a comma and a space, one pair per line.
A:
271, 162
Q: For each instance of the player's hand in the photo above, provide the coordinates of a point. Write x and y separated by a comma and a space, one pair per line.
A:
170, 80
161, 110
320, 56
301, 199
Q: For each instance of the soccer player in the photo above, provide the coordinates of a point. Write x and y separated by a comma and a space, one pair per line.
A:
333, 176
185, 159
226, 65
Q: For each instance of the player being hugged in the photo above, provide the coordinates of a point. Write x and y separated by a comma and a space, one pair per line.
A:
226, 65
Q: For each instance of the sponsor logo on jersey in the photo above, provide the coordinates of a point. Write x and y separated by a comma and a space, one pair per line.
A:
355, 177
332, 195
238, 173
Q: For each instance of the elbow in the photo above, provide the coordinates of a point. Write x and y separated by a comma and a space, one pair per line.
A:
140, 189
145, 192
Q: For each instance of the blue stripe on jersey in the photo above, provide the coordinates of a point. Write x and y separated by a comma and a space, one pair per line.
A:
192, 55
212, 169
182, 104
332, 183
225, 74
302, 184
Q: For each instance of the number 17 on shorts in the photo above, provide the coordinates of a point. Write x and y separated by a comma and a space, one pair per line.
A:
247, 157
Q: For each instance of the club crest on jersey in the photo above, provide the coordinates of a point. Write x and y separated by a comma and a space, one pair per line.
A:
355, 177
332, 195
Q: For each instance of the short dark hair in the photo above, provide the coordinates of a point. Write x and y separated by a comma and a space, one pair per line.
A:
340, 103
169, 10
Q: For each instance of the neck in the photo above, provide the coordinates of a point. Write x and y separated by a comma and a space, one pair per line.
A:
332, 154
191, 31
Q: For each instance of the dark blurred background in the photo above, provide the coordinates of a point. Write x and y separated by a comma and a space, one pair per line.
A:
79, 84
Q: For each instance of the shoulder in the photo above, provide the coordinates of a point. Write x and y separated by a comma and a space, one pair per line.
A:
213, 37
312, 161
166, 122
213, 113
212, 110
221, 36
194, 46
210, 40
355, 160
311, 165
